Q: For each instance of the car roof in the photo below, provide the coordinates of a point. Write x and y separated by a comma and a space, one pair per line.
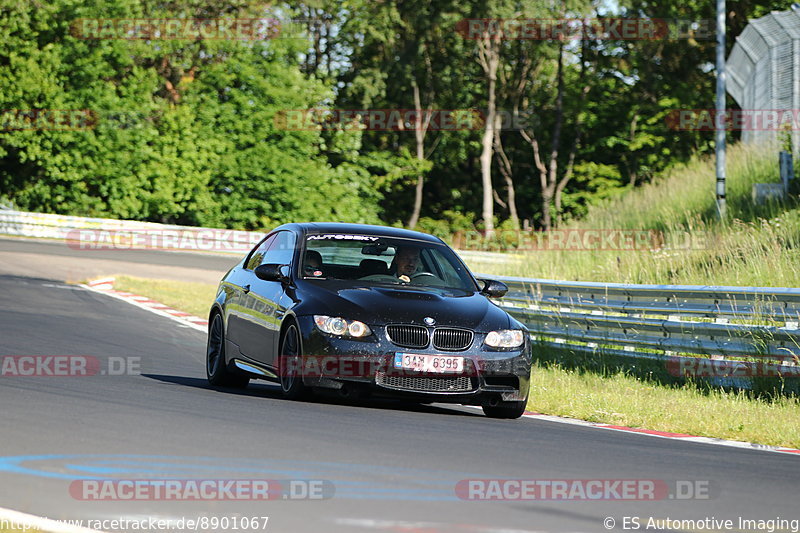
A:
368, 229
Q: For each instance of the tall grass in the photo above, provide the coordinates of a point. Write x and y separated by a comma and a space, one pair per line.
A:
685, 195
758, 245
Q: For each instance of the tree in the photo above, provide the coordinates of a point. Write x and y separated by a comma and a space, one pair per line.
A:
402, 59
187, 131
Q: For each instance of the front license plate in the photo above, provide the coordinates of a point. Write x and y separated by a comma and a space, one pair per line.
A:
428, 363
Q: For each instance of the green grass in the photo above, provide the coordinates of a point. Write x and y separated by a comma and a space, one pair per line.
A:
621, 399
191, 297
758, 246
678, 198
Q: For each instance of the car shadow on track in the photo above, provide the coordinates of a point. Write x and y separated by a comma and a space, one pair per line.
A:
265, 390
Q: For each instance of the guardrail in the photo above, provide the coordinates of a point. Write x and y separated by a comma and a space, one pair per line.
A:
710, 331
105, 233
704, 331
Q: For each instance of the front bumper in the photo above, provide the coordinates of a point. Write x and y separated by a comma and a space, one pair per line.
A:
335, 362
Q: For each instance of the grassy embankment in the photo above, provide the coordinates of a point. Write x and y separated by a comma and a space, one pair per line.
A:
759, 246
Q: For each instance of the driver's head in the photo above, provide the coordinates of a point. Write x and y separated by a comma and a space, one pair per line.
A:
406, 260
313, 260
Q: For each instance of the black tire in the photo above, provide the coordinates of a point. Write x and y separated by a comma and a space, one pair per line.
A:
506, 410
217, 371
292, 386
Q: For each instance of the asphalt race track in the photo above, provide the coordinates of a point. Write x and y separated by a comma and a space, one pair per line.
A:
50, 259
383, 466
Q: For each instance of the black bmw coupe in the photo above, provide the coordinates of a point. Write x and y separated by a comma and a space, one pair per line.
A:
367, 309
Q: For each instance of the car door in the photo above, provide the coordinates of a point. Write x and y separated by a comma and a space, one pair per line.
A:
265, 304
241, 282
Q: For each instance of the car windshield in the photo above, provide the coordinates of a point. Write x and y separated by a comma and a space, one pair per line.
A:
383, 260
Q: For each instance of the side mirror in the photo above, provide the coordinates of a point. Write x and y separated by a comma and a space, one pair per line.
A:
271, 272
493, 288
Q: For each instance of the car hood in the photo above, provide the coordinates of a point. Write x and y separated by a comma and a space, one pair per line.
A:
379, 305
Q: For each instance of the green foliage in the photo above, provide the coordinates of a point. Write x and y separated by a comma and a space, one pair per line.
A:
188, 131
185, 130
597, 182
757, 247
448, 224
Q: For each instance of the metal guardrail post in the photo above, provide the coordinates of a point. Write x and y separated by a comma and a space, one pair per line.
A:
787, 170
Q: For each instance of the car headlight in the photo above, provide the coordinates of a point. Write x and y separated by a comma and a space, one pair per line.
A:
505, 338
336, 325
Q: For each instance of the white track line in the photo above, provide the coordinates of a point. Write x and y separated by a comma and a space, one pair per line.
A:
106, 286
26, 522
667, 435
658, 434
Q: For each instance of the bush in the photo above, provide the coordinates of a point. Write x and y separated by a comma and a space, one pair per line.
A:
453, 223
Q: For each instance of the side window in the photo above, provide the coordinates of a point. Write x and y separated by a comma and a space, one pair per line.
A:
282, 251
260, 251
444, 269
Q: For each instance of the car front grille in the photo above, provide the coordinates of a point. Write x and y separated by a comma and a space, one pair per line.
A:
425, 383
411, 336
452, 339
408, 336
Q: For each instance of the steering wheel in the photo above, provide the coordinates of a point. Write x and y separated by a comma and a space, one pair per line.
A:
423, 275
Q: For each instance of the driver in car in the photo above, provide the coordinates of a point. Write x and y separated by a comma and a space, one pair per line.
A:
405, 263
313, 263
